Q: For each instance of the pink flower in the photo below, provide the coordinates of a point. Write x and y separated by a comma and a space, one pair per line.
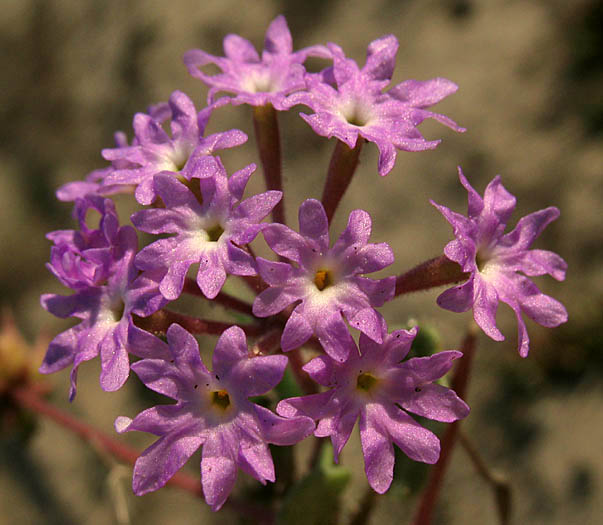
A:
494, 259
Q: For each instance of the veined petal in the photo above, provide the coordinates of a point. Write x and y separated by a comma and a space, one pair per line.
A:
484, 308
211, 275
422, 94
297, 331
278, 38
218, 469
164, 458
378, 452
313, 223
255, 459
283, 431
255, 376
335, 337
418, 443
272, 301
436, 402
230, 349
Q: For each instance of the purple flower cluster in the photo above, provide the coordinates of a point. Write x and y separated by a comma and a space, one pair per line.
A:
99, 266
310, 293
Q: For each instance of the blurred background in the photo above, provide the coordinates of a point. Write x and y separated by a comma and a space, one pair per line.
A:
530, 76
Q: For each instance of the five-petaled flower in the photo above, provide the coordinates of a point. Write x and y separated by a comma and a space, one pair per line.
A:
256, 81
99, 266
210, 229
494, 259
376, 388
326, 281
211, 410
153, 151
349, 103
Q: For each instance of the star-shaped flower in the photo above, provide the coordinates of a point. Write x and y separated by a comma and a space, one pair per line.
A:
153, 151
100, 267
375, 388
210, 232
349, 102
494, 259
326, 281
254, 80
212, 410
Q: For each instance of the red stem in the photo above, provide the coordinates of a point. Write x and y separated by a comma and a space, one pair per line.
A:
160, 321
459, 383
224, 299
29, 399
265, 124
434, 272
268, 344
341, 170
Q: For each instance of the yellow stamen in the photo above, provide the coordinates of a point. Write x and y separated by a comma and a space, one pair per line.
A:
220, 399
366, 381
323, 279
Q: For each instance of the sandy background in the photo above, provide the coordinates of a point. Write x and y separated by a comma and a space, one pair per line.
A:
530, 76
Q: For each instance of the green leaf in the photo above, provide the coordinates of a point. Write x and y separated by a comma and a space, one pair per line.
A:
316, 499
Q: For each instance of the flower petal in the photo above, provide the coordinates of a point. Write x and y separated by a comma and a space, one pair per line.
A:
378, 453
218, 469
278, 38
297, 331
313, 223
436, 402
282, 431
164, 458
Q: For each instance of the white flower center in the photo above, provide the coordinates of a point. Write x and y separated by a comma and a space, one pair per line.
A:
259, 81
486, 264
355, 113
177, 158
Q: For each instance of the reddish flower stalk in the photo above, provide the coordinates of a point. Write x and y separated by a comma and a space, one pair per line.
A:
341, 170
268, 344
265, 124
434, 272
160, 321
226, 300
29, 399
459, 383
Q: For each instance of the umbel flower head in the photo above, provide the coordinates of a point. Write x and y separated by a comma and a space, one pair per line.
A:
153, 151
254, 80
349, 102
210, 225
212, 409
99, 265
326, 281
494, 259
375, 388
